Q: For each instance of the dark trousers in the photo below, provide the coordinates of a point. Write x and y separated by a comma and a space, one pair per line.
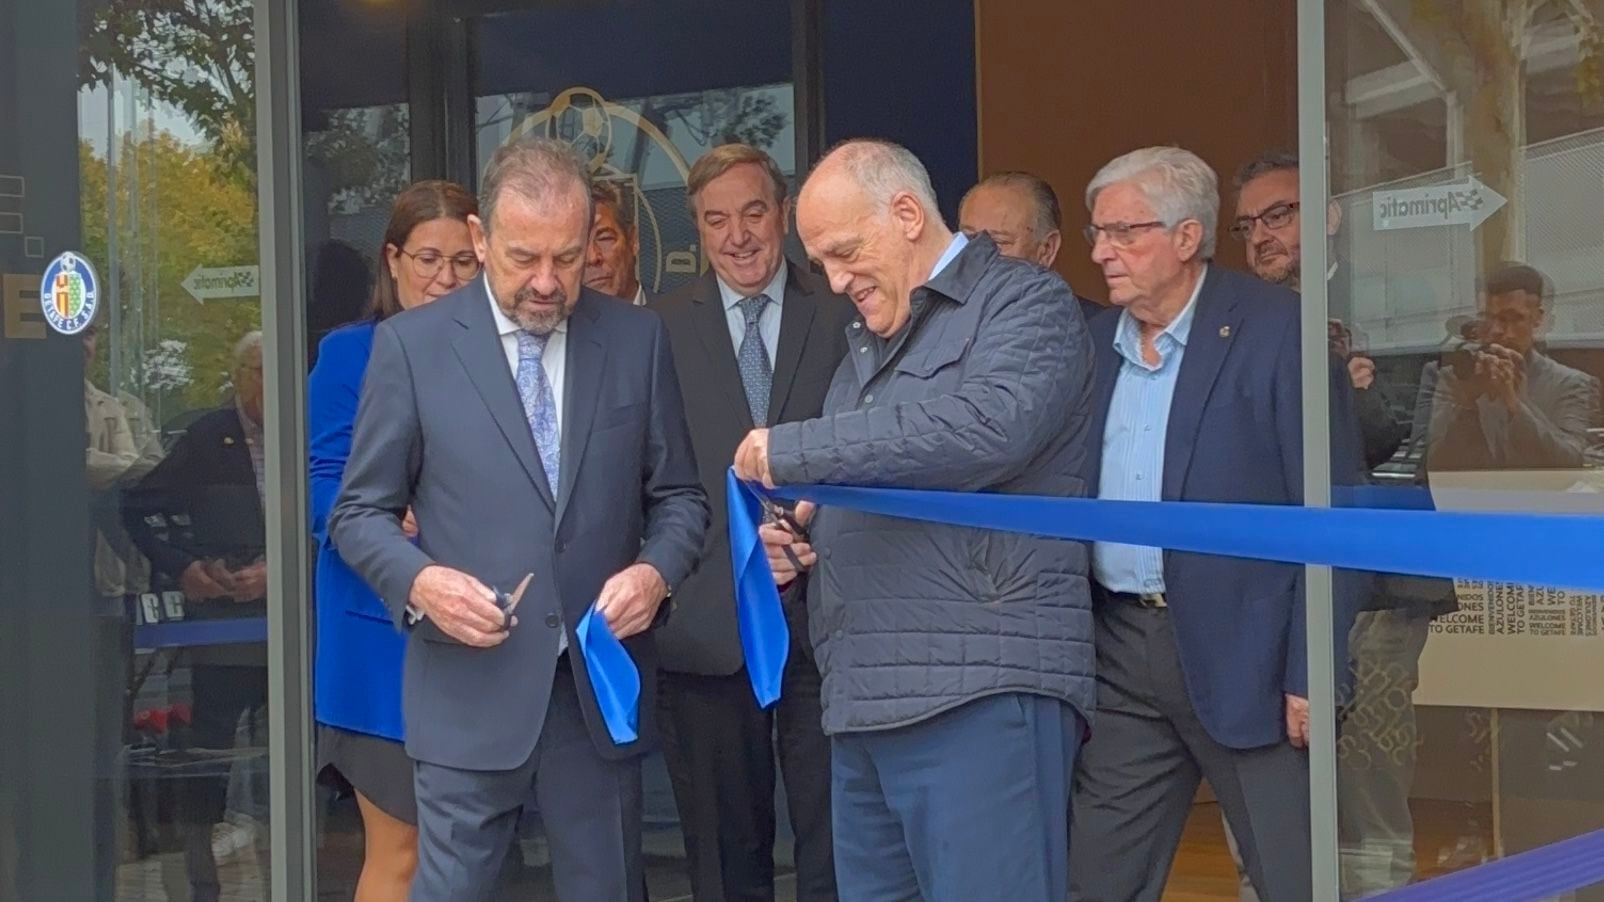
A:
720, 749
967, 806
1139, 774
591, 808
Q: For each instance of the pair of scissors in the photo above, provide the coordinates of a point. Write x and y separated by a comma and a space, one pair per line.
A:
777, 514
507, 602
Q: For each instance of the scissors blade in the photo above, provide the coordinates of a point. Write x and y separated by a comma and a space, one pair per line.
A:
518, 593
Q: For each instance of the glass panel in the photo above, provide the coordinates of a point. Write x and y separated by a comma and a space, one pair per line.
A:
643, 119
357, 158
1472, 281
133, 666
641, 110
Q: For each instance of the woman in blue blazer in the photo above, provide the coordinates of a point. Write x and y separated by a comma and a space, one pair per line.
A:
357, 674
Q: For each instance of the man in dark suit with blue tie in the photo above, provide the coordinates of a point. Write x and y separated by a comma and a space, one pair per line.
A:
757, 340
534, 427
1201, 659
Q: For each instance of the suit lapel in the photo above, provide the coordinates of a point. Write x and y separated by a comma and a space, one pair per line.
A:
583, 372
479, 350
713, 329
1214, 323
239, 468
796, 324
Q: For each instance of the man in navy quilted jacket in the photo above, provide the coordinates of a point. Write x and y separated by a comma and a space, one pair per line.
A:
957, 662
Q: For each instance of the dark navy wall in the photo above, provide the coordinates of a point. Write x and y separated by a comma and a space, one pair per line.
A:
905, 72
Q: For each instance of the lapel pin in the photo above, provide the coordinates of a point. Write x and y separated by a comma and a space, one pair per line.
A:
228, 440
1225, 331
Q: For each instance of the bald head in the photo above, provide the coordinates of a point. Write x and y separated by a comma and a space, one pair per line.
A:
868, 215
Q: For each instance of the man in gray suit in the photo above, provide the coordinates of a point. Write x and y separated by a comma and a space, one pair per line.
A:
533, 427
756, 341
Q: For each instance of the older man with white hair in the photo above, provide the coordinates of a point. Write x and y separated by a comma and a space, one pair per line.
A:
1201, 660
957, 662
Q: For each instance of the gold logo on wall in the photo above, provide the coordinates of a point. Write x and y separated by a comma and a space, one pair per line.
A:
614, 140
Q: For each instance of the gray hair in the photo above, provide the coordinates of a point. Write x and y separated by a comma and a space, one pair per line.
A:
250, 341
1047, 217
1264, 164
537, 168
1177, 183
884, 170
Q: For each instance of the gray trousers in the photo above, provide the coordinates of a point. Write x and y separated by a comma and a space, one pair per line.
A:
591, 808
1139, 774
1376, 753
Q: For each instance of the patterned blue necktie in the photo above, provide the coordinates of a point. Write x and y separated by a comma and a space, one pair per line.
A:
540, 408
757, 372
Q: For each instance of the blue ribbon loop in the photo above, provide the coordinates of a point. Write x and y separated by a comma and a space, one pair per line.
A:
614, 679
765, 638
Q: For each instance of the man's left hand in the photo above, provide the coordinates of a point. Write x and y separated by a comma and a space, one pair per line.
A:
629, 601
752, 458
1298, 721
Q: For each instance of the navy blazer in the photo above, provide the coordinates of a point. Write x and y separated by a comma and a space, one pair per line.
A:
1236, 435
440, 428
356, 682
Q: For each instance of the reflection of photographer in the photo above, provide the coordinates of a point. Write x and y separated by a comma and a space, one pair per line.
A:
1498, 401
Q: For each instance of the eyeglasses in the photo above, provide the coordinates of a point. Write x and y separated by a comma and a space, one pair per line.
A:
427, 262
1278, 216
1120, 234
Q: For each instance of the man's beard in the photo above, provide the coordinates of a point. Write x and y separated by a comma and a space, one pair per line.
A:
1287, 275
541, 320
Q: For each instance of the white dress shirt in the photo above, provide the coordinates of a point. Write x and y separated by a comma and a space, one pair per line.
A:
768, 322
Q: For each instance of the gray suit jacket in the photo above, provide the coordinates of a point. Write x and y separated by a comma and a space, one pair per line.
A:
702, 637
440, 429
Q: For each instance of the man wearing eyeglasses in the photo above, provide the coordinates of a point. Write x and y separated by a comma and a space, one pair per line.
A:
1201, 660
1268, 224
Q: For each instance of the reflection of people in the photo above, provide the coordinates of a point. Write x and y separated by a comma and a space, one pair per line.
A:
957, 663
1375, 767
1196, 399
535, 428
198, 517
751, 350
1501, 403
1020, 212
612, 264
426, 254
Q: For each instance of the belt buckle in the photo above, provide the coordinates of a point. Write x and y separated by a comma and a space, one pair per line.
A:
1152, 600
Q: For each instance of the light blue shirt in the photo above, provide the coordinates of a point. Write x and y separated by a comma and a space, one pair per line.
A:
768, 322
954, 248
1133, 443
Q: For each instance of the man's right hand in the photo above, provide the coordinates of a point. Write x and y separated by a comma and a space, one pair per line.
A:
776, 538
460, 606
197, 583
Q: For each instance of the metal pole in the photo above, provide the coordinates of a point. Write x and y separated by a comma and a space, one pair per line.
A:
1317, 447
278, 192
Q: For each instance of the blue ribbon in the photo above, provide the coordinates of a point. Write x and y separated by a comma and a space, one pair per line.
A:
1540, 873
614, 679
1560, 550
765, 638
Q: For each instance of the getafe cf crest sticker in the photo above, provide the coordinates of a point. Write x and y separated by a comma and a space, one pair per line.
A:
69, 294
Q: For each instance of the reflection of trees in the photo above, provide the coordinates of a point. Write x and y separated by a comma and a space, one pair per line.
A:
724, 116
366, 154
1479, 50
207, 217
195, 55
